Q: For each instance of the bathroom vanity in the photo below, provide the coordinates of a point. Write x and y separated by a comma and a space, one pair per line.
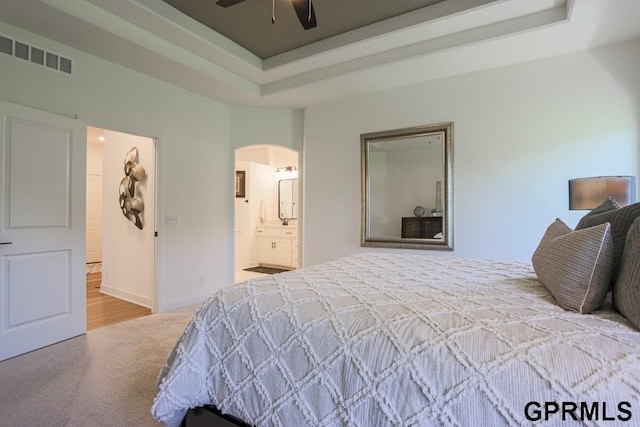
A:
278, 245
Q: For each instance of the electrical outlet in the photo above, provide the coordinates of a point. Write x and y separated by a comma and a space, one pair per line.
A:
172, 219
201, 280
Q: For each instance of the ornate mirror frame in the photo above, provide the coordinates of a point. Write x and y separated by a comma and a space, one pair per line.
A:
409, 138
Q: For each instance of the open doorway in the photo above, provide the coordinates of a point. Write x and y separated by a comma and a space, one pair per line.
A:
120, 220
266, 211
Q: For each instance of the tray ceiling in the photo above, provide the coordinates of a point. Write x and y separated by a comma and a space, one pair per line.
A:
249, 23
236, 56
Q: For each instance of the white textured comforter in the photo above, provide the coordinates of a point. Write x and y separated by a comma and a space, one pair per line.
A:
386, 339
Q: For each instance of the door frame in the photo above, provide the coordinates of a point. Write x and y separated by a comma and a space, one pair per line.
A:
300, 220
156, 216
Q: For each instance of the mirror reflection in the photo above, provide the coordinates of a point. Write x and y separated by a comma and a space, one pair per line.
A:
288, 199
407, 188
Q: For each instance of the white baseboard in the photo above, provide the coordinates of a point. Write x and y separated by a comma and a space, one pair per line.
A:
125, 295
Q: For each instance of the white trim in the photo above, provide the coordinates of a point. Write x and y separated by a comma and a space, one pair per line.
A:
127, 296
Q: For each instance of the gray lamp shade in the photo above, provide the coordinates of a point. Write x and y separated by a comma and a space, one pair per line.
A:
587, 193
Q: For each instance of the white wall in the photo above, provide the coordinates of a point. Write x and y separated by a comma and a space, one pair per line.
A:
520, 133
94, 158
194, 171
266, 126
128, 253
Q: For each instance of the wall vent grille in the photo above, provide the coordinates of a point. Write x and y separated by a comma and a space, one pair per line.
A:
35, 55
6, 45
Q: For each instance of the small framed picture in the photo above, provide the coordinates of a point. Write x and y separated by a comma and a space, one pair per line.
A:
240, 184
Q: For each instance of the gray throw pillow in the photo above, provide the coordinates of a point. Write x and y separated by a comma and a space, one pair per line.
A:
626, 292
575, 266
556, 229
620, 220
608, 205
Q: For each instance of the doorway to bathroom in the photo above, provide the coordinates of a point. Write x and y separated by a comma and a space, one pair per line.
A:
267, 211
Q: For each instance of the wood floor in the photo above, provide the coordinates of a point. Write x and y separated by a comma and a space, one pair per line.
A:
104, 310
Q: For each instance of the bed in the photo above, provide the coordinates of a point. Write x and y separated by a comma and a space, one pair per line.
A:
378, 339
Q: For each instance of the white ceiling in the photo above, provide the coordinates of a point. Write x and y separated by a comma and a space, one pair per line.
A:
444, 39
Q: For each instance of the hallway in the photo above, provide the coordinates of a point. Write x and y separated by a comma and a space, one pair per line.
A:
105, 310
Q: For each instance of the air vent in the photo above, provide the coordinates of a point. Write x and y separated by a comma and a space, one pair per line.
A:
6, 45
35, 55
65, 65
52, 60
22, 51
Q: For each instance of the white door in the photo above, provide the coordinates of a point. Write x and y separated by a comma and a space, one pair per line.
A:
42, 229
94, 218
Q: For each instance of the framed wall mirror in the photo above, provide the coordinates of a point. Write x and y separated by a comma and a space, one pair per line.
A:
288, 198
407, 188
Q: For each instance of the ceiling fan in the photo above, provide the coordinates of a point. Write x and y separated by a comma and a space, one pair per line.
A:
303, 8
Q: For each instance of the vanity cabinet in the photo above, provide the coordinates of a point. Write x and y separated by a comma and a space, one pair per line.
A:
278, 246
421, 227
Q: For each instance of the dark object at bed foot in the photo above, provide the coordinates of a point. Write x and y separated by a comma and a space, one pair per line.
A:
209, 416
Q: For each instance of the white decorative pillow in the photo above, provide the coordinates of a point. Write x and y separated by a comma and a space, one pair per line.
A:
575, 266
626, 291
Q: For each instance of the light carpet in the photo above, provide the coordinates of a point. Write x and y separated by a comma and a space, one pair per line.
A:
104, 378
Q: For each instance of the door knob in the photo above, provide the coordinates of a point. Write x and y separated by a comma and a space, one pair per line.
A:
6, 243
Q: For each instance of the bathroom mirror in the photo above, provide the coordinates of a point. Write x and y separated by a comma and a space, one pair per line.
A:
288, 198
407, 188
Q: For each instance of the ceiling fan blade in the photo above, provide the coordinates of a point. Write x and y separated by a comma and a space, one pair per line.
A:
302, 8
227, 3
